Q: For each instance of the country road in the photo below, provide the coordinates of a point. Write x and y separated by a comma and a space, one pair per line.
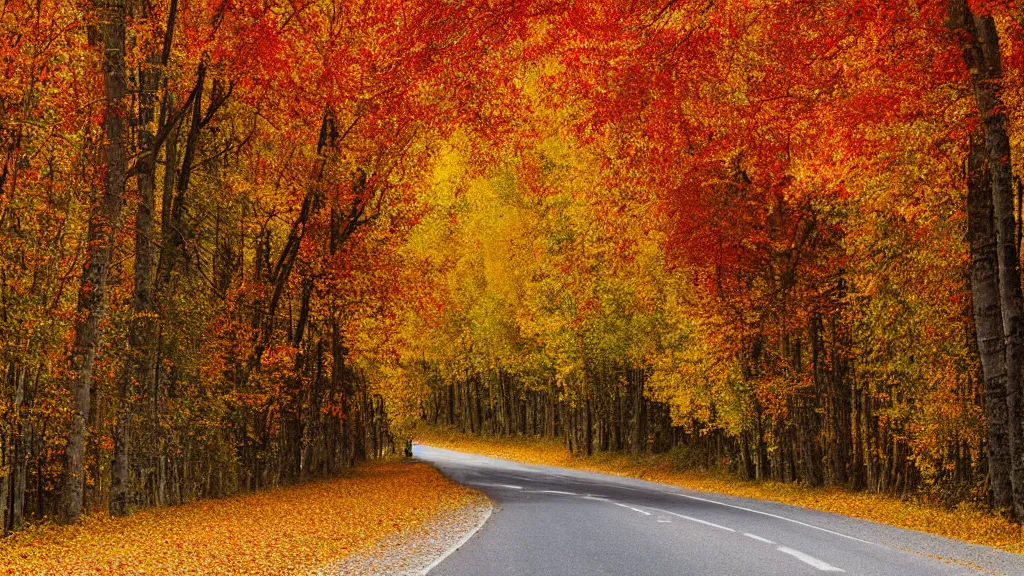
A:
559, 522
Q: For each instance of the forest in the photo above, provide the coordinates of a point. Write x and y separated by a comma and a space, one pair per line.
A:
250, 243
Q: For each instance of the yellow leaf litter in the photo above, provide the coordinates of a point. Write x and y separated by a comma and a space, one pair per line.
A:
968, 522
292, 530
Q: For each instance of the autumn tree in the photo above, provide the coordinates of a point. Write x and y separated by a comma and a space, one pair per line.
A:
245, 245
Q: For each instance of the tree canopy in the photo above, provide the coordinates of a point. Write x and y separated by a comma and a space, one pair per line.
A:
249, 243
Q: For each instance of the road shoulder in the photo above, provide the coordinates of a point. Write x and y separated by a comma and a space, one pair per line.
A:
414, 552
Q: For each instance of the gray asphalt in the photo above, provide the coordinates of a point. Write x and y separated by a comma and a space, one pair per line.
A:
561, 522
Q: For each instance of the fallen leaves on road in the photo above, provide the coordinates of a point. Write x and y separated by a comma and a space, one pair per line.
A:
291, 530
967, 523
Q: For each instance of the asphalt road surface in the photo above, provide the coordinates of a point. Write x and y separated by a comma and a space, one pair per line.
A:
559, 522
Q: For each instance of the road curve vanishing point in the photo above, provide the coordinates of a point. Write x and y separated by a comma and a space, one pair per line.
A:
559, 522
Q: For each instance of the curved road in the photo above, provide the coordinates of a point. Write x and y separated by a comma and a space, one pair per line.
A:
559, 522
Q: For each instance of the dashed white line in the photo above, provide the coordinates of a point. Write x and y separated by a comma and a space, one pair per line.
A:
507, 486
776, 516
807, 559
697, 520
562, 492
644, 512
706, 523
758, 538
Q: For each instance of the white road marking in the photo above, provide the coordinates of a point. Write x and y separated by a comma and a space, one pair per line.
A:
806, 559
664, 520
644, 512
595, 498
562, 492
697, 520
758, 538
697, 498
776, 516
508, 486
460, 543
706, 523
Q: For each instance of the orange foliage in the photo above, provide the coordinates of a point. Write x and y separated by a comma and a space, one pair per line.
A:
285, 531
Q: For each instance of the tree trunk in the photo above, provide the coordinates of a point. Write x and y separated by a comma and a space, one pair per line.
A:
5, 480
588, 432
141, 365
104, 218
981, 54
19, 472
981, 236
167, 201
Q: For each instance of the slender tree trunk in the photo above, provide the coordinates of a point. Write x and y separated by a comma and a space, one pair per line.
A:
552, 405
104, 218
19, 471
10, 445
141, 366
174, 253
588, 431
6, 457
167, 201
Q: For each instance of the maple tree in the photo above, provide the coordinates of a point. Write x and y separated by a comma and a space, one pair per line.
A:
248, 244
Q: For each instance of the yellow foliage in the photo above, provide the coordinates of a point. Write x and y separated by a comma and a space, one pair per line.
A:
290, 530
967, 522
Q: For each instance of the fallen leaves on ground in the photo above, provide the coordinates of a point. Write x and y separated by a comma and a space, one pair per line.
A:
412, 551
968, 523
291, 530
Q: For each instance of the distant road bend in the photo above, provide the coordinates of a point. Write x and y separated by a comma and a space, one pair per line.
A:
559, 522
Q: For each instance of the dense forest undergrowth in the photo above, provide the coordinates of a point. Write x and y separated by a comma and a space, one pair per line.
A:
247, 245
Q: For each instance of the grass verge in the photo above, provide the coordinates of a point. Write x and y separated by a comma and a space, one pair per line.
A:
292, 530
968, 522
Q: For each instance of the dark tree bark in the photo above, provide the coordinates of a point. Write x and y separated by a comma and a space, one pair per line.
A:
141, 365
173, 252
166, 202
19, 470
104, 219
5, 481
981, 52
981, 236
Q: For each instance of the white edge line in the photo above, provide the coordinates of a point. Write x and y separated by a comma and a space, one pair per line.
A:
460, 543
758, 538
697, 520
776, 516
808, 559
